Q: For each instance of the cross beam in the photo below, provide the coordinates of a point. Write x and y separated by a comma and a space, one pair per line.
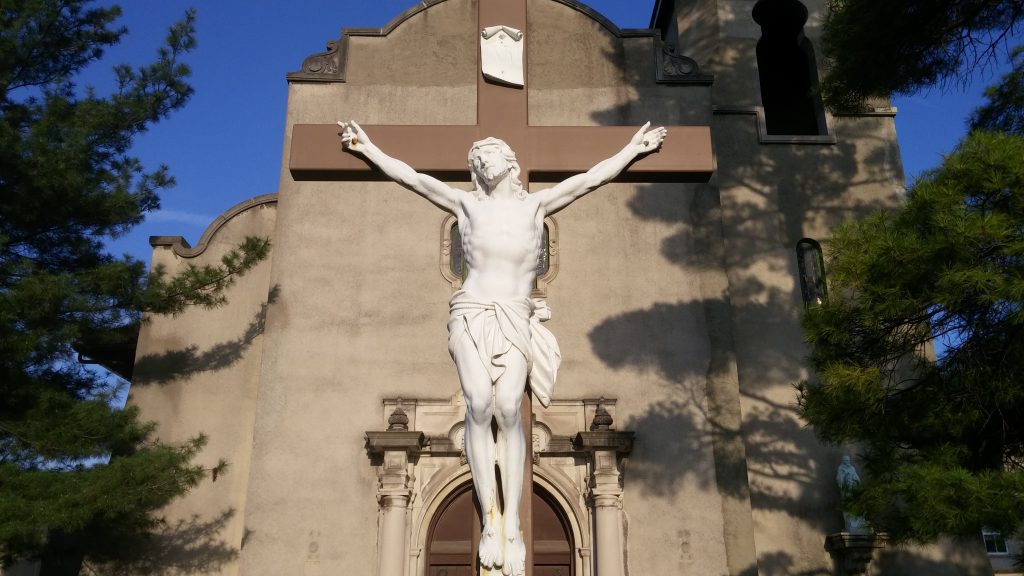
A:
545, 153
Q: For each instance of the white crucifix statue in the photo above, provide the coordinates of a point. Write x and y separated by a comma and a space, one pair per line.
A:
494, 331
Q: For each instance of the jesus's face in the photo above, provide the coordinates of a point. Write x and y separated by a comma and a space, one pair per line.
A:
490, 164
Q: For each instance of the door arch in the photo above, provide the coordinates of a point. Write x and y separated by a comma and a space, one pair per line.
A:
454, 536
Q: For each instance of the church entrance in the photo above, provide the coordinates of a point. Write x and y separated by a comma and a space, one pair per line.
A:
455, 534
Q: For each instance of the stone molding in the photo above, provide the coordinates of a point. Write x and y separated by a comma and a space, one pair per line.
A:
605, 441
408, 441
762, 127
330, 65
394, 22
606, 23
182, 248
852, 553
883, 111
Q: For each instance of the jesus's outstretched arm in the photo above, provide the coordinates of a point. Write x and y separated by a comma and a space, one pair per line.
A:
561, 195
354, 139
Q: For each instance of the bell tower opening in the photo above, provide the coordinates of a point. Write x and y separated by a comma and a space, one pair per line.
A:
787, 70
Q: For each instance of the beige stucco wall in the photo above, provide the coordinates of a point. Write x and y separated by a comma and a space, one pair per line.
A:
196, 373
678, 300
361, 314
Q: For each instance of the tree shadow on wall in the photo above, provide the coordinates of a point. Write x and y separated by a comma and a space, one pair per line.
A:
780, 564
195, 545
648, 340
898, 559
738, 236
175, 365
192, 546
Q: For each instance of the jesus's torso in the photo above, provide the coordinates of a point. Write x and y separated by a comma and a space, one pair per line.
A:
501, 240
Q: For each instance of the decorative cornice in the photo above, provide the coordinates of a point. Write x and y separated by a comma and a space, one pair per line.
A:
672, 68
762, 126
182, 248
326, 66
605, 440
410, 442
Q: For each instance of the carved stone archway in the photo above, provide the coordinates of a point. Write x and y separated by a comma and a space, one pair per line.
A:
454, 532
422, 473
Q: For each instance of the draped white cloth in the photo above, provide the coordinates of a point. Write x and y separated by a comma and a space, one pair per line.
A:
495, 327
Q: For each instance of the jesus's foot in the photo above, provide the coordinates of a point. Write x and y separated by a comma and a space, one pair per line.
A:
515, 556
490, 548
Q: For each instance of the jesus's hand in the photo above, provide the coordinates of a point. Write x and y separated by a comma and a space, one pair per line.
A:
644, 141
352, 137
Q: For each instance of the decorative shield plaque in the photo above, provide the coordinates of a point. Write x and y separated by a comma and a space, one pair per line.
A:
501, 55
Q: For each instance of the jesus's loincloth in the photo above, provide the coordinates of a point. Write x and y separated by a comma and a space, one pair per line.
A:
495, 327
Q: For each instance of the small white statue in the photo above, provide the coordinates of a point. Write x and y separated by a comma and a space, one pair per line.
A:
494, 331
847, 478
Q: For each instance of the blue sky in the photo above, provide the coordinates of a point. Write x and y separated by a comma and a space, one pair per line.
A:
225, 145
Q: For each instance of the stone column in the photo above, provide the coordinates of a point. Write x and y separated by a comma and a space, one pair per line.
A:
395, 451
607, 502
607, 448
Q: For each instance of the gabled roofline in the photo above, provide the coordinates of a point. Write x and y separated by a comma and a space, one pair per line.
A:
181, 246
329, 66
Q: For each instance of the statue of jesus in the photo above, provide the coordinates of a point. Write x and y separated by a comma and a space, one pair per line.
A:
494, 331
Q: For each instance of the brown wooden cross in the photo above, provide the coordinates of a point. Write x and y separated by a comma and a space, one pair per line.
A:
545, 154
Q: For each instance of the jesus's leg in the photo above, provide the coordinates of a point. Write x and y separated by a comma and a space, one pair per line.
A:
477, 389
508, 395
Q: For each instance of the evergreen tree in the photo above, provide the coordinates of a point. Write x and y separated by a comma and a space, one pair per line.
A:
1004, 111
941, 439
876, 49
68, 183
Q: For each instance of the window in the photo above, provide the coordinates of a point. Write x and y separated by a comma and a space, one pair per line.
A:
811, 264
995, 543
457, 262
453, 260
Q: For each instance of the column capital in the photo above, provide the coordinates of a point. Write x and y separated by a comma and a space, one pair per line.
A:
389, 498
605, 499
393, 450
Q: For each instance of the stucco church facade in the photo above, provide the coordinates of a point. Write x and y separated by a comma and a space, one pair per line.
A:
671, 444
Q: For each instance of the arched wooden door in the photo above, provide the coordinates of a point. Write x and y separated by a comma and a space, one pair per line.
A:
455, 535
